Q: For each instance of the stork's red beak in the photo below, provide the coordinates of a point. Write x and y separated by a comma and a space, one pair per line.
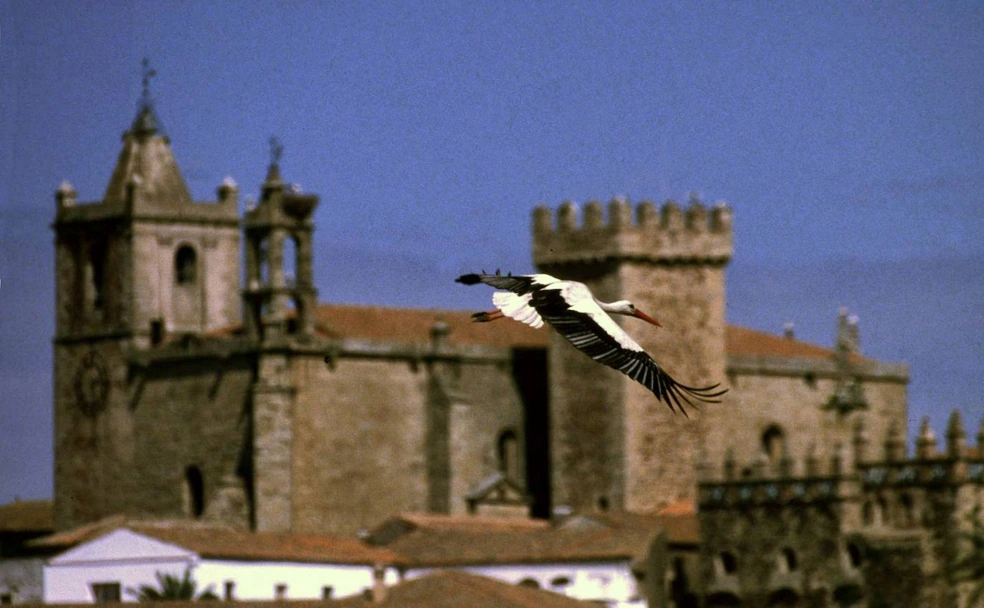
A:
647, 318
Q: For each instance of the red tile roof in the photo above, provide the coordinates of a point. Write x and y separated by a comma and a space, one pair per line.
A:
745, 341
595, 537
27, 516
219, 541
413, 325
455, 589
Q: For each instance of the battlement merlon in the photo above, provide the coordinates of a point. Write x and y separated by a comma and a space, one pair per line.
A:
665, 235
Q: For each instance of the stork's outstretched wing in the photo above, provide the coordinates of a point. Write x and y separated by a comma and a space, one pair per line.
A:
595, 334
573, 311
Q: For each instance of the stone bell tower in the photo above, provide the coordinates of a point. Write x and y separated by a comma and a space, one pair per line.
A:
613, 445
279, 300
132, 270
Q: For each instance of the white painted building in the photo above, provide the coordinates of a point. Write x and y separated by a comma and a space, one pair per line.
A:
235, 564
611, 582
617, 560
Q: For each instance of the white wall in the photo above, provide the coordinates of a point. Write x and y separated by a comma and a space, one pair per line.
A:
252, 580
258, 580
73, 582
609, 582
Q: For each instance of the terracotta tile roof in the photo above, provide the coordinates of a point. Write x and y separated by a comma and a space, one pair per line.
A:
453, 589
413, 325
745, 341
472, 523
27, 516
577, 538
219, 541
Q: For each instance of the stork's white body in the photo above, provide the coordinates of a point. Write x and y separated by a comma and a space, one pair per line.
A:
571, 309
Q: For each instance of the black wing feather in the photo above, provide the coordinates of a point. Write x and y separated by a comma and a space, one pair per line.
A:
582, 332
519, 284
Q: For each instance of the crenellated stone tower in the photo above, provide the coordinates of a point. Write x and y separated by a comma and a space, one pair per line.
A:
613, 445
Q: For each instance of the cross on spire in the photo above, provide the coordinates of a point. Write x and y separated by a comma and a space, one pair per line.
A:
148, 73
146, 122
276, 150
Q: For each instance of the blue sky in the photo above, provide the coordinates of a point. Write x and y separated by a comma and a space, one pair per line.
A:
847, 137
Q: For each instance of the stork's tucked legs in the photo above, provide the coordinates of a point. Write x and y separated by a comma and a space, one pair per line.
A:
485, 317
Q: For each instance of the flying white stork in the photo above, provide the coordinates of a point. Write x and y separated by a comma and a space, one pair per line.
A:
582, 319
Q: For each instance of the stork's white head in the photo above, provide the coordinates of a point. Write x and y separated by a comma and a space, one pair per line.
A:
625, 307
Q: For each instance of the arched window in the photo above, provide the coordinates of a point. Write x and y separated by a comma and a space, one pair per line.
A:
95, 275
185, 266
194, 491
788, 561
854, 555
508, 452
290, 260
774, 443
529, 582
727, 563
907, 511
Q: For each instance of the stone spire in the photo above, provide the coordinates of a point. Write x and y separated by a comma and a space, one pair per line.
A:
146, 167
926, 441
956, 437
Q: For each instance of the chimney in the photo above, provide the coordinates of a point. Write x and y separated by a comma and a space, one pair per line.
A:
378, 583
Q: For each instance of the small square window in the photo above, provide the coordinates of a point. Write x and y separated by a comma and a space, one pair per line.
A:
230, 590
327, 591
104, 593
280, 591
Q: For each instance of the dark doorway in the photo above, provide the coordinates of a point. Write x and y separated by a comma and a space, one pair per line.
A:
530, 371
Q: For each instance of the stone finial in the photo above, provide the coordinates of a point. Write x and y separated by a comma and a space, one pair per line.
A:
926, 441
65, 195
956, 437
860, 442
789, 330
893, 443
785, 466
440, 332
760, 467
729, 465
228, 188
848, 339
812, 462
